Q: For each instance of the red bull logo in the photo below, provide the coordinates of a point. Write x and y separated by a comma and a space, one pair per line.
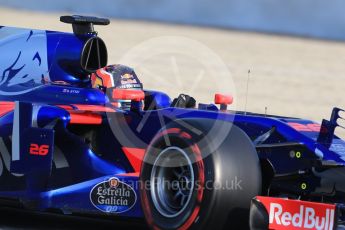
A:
296, 214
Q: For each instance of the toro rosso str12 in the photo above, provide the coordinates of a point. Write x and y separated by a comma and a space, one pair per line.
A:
69, 147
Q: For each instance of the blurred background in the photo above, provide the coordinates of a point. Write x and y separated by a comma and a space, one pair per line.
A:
294, 49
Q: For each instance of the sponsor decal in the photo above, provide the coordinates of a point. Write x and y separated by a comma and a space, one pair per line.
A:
25, 63
113, 196
128, 79
71, 91
130, 86
296, 214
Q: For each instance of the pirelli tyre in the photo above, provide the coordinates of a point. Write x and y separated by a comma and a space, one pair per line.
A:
192, 181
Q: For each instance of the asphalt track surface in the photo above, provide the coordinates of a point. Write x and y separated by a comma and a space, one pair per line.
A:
13, 219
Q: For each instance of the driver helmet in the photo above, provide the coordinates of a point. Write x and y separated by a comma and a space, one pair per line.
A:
116, 77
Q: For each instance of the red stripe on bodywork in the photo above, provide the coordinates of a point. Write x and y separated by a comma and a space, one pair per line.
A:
135, 157
89, 108
135, 174
128, 94
66, 107
85, 118
312, 127
94, 108
86, 114
6, 107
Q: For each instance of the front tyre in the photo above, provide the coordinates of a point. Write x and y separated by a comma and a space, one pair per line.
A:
184, 188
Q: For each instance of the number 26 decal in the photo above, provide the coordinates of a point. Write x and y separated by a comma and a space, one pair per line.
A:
41, 150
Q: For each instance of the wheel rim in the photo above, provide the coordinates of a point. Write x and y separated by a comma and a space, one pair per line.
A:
172, 182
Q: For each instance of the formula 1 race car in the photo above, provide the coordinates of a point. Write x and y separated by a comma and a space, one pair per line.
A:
66, 147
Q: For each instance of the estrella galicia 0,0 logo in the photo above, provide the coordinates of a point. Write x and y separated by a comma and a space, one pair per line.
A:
113, 196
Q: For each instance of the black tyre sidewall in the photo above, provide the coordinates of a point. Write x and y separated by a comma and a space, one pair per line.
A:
210, 207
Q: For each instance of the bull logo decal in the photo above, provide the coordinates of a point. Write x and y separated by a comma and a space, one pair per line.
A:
23, 60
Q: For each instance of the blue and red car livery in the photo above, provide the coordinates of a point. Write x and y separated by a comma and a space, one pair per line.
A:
64, 146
